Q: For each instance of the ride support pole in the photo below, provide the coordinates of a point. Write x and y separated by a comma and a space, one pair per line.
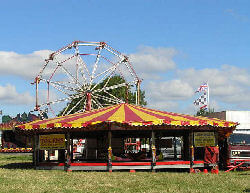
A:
68, 155
191, 144
37, 82
153, 152
109, 151
138, 92
35, 149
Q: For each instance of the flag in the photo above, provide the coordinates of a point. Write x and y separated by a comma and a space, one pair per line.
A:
202, 100
202, 87
1, 112
204, 107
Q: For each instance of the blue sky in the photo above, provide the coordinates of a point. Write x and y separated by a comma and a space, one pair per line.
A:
196, 40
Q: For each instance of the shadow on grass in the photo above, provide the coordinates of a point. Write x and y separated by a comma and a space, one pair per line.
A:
23, 165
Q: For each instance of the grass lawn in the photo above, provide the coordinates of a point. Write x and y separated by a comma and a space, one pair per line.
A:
18, 176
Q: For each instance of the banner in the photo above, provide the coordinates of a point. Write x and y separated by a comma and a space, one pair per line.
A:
203, 139
53, 141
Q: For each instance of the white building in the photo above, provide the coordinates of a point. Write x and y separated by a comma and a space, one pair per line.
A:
242, 117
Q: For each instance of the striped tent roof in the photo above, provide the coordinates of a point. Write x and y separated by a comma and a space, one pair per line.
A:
124, 114
9, 125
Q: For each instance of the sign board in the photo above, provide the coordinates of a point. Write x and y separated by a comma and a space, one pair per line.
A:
202, 139
53, 141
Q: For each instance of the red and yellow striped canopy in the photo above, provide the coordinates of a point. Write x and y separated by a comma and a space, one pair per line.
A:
125, 114
9, 125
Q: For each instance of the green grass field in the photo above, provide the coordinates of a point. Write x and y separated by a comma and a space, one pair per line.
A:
17, 175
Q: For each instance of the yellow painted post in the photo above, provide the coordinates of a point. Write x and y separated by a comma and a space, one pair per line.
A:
109, 151
191, 144
153, 152
217, 146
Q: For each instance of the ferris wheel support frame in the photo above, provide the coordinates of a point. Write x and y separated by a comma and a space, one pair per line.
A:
99, 46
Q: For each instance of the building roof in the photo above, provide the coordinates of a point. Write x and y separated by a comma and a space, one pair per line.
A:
9, 126
127, 116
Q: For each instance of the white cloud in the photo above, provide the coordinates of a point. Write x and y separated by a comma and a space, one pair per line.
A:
9, 95
23, 65
149, 61
163, 105
228, 84
167, 95
169, 90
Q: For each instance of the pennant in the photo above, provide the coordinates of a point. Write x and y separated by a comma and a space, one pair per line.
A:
204, 107
202, 87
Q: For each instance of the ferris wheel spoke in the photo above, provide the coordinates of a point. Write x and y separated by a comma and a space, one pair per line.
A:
77, 62
117, 99
98, 104
59, 64
106, 75
72, 77
71, 97
113, 100
106, 71
106, 100
110, 87
95, 67
115, 67
63, 86
83, 98
84, 67
83, 109
66, 109
59, 89
127, 63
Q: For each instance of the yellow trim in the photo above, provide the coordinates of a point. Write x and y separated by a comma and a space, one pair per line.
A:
175, 122
76, 125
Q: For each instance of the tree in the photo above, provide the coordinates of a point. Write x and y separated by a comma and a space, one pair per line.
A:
124, 93
204, 113
20, 118
6, 118
24, 117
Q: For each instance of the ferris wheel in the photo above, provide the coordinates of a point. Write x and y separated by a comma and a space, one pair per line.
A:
83, 76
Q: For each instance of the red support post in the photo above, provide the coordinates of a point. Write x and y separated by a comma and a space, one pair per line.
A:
37, 82
88, 103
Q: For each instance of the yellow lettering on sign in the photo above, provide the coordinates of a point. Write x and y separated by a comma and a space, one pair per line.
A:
53, 141
203, 139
